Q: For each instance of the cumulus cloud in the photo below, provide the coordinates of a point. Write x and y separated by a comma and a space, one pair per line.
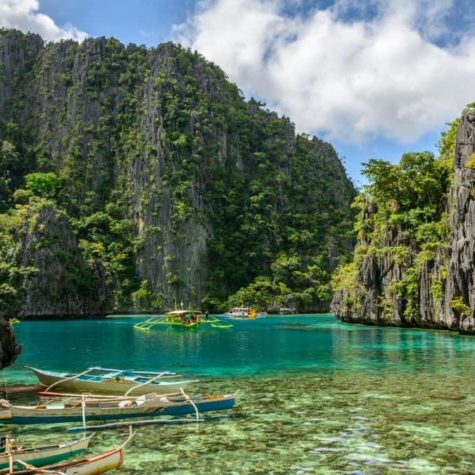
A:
24, 15
389, 71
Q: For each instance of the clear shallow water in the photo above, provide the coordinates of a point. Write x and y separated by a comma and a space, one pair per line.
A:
317, 396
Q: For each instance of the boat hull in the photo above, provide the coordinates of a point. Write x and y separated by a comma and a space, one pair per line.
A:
91, 466
110, 385
47, 455
48, 415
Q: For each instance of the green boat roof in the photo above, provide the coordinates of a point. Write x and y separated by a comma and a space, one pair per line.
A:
182, 312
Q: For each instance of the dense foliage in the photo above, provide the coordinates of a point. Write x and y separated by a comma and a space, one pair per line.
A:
402, 217
180, 189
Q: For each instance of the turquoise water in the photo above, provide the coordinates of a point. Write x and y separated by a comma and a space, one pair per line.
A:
270, 345
316, 395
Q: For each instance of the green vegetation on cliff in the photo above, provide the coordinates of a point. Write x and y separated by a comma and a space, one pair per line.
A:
169, 186
414, 260
401, 217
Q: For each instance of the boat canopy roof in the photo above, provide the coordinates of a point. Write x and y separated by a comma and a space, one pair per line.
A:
110, 372
182, 312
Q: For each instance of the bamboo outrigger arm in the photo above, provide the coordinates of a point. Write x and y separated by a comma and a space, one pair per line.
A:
122, 371
129, 438
8, 449
75, 376
188, 398
38, 470
117, 425
151, 380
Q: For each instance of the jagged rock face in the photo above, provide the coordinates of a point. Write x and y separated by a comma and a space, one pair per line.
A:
163, 139
60, 282
9, 349
461, 279
16, 56
375, 300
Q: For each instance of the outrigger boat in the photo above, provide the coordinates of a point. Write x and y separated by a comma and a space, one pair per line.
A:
243, 312
76, 408
181, 319
106, 380
11, 453
93, 465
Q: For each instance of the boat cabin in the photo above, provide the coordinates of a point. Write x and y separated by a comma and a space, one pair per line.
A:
187, 317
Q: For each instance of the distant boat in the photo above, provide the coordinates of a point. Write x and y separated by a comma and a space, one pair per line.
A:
244, 312
184, 318
100, 408
113, 381
188, 319
287, 311
39, 455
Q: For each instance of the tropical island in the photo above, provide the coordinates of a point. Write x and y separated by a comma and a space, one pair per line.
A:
140, 180
134, 178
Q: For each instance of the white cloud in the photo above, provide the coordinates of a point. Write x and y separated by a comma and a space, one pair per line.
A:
350, 77
24, 15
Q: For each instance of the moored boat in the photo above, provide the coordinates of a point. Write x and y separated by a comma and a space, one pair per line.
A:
93, 465
287, 310
100, 408
40, 455
244, 312
184, 318
112, 381
187, 319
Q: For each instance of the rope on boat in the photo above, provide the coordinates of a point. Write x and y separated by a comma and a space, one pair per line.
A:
68, 379
188, 398
151, 380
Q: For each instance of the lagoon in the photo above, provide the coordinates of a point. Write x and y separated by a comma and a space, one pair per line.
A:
317, 395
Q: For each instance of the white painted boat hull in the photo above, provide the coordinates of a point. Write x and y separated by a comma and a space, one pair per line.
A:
113, 385
91, 466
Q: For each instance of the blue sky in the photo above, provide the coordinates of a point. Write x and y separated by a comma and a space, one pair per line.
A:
376, 78
147, 22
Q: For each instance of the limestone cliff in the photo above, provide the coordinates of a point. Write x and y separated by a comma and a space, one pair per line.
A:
60, 282
171, 187
401, 277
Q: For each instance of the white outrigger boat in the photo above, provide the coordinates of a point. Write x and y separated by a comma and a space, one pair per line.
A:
79, 408
105, 380
244, 312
